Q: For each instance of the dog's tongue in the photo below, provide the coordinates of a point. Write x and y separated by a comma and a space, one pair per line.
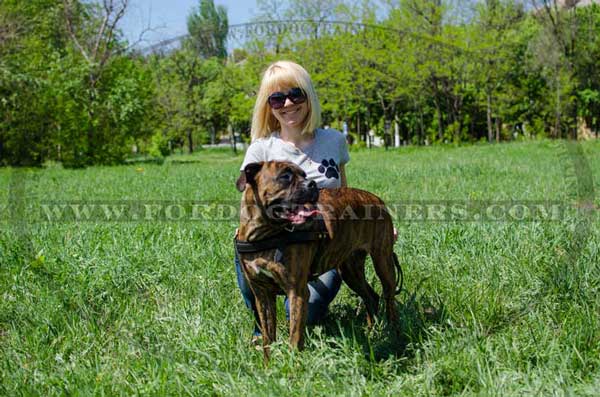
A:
301, 216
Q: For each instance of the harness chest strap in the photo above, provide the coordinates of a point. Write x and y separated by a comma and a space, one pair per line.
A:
286, 238
278, 243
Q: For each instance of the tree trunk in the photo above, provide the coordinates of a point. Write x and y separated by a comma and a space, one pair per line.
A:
421, 126
232, 137
489, 118
440, 117
92, 116
498, 125
190, 140
213, 134
575, 126
557, 132
458, 100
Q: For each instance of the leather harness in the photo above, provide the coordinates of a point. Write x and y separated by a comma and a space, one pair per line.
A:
280, 241
287, 237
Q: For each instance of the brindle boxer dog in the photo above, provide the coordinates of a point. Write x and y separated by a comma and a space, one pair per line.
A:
278, 197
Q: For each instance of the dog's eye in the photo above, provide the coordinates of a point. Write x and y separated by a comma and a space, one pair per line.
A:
286, 177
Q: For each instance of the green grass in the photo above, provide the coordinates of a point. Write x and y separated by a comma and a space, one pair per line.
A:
490, 308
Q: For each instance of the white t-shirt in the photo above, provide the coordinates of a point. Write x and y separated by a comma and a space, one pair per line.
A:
320, 159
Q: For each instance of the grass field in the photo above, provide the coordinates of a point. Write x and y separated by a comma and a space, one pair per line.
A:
152, 308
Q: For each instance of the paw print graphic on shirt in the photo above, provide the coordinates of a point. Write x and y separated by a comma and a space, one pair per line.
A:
330, 169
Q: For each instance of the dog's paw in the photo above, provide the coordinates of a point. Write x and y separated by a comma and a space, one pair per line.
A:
330, 169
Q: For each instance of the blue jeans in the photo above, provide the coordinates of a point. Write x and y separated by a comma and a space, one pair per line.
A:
322, 291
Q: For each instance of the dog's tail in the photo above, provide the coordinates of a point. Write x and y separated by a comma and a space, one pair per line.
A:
399, 274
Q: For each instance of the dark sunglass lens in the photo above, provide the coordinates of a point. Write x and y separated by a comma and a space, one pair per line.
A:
277, 100
296, 95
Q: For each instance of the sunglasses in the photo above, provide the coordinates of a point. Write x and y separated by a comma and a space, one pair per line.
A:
296, 95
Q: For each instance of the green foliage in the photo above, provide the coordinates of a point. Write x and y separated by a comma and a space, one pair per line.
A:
57, 105
159, 145
192, 97
26, 43
208, 26
100, 124
438, 71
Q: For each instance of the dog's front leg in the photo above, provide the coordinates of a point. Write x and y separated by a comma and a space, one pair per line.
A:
298, 303
265, 305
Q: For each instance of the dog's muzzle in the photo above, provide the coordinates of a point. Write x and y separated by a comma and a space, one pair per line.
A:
300, 207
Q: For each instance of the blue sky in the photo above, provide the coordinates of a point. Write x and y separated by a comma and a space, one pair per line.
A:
168, 17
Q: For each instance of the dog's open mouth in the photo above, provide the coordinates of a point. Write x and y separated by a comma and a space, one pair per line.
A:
297, 214
300, 214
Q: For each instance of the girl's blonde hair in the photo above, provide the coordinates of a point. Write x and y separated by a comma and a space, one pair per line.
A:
283, 74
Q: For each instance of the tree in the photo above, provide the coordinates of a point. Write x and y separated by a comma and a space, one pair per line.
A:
271, 11
587, 67
30, 35
68, 89
559, 48
191, 95
427, 17
208, 27
111, 89
495, 45
214, 107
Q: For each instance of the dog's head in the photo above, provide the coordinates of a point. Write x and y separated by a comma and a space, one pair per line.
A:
283, 191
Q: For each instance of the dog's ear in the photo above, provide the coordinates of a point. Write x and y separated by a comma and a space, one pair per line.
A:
240, 184
247, 176
251, 170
